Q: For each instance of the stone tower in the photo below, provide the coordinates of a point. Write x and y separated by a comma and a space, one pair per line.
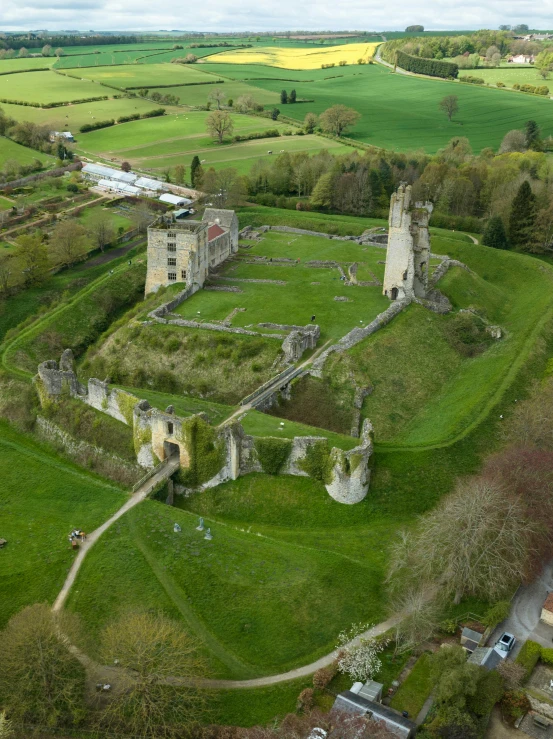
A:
408, 253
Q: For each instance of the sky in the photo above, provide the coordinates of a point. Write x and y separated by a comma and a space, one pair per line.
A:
253, 15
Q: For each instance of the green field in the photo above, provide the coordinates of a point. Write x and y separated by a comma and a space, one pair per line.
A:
72, 117
19, 65
146, 75
47, 87
199, 94
21, 154
158, 143
297, 300
117, 218
42, 499
400, 112
511, 75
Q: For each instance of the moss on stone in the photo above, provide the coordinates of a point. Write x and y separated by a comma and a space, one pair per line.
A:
206, 451
141, 436
273, 453
317, 462
126, 403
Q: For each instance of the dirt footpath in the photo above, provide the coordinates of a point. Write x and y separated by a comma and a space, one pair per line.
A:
497, 729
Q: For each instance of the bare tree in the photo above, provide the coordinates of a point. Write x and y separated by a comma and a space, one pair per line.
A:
512, 673
219, 124
514, 140
420, 611
159, 664
531, 423
337, 119
41, 682
245, 103
100, 228
450, 106
142, 217
217, 96
476, 542
69, 241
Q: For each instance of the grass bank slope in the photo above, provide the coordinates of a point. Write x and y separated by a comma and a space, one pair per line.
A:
42, 499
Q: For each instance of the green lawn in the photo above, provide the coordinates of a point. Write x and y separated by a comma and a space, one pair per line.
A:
9, 150
6, 203
261, 424
415, 689
42, 498
117, 219
47, 87
399, 112
308, 291
229, 590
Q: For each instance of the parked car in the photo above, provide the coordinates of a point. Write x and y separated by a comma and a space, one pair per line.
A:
506, 642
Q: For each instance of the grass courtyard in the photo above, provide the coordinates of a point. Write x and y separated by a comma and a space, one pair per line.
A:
306, 290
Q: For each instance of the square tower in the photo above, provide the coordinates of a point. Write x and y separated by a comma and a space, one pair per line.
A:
177, 252
408, 252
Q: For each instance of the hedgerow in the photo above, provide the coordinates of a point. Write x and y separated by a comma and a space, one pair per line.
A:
430, 67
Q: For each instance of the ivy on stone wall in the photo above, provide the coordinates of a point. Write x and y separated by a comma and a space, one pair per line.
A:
273, 453
126, 403
141, 436
317, 462
207, 453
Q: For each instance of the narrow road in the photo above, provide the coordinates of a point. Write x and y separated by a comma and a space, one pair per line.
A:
165, 471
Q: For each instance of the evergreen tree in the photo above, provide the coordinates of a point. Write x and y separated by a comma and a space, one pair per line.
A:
292, 98
283, 97
386, 176
495, 234
194, 167
533, 137
522, 218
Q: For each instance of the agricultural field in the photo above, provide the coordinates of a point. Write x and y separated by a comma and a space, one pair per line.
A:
288, 58
401, 112
72, 117
511, 75
7, 66
150, 75
10, 150
158, 143
199, 94
46, 87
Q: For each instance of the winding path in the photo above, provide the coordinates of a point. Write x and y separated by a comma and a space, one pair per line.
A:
164, 471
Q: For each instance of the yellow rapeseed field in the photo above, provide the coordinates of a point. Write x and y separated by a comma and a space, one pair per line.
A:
290, 58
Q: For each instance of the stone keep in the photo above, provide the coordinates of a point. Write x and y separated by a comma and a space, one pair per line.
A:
185, 251
408, 253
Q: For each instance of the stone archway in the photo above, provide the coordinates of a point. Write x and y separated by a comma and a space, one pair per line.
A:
170, 448
394, 293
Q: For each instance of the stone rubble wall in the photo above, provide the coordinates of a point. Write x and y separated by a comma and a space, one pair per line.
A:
357, 335
444, 267
156, 433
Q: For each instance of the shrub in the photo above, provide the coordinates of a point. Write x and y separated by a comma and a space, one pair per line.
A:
306, 701
126, 118
546, 655
488, 692
323, 676
273, 453
471, 79
500, 84
153, 113
528, 656
95, 126
497, 613
72, 187
467, 334
430, 67
542, 90
514, 704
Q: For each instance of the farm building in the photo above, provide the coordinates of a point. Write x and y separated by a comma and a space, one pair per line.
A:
171, 199
521, 59
115, 180
97, 172
62, 135
122, 187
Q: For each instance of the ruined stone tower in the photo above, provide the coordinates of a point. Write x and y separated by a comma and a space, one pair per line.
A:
408, 253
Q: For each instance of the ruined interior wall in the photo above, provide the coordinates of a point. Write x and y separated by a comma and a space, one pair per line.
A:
399, 270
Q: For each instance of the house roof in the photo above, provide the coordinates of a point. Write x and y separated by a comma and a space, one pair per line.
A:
548, 605
218, 215
214, 231
349, 702
487, 657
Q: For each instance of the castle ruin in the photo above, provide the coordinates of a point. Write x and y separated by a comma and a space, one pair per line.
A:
186, 251
408, 253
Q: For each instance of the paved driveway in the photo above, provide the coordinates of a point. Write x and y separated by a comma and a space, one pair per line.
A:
524, 619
